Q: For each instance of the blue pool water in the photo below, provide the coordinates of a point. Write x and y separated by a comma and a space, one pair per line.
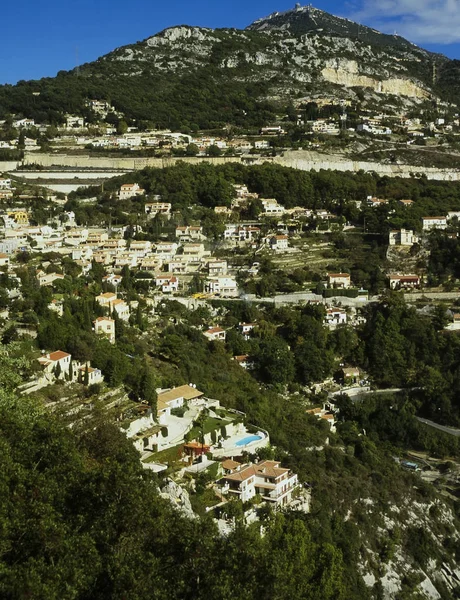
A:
247, 440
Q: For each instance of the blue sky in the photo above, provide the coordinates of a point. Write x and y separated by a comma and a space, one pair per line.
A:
41, 37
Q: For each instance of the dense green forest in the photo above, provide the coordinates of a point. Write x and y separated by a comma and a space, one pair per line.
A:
209, 186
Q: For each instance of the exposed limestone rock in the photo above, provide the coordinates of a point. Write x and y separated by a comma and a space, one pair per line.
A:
179, 498
348, 73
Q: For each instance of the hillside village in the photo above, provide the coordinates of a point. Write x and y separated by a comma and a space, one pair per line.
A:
236, 376
106, 316
325, 123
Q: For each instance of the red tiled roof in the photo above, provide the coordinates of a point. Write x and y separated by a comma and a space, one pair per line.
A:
58, 355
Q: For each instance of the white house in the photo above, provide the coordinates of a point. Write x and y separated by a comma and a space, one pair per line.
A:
5, 184
402, 237
217, 267
274, 484
45, 279
335, 316
222, 286
152, 209
166, 250
122, 309
272, 208
175, 398
167, 284
94, 375
339, 280
279, 242
245, 329
58, 360
106, 299
189, 233
4, 260
129, 190
404, 281
105, 326
215, 333
429, 223
74, 122
193, 251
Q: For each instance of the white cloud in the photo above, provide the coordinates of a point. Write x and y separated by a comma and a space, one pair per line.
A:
421, 21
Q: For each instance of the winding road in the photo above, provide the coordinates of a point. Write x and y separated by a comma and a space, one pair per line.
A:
449, 430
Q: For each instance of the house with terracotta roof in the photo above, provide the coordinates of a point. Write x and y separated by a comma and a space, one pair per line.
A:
106, 299
129, 190
167, 283
215, 333
89, 375
56, 362
105, 326
4, 260
175, 398
325, 413
121, 309
279, 242
339, 280
243, 361
398, 282
267, 479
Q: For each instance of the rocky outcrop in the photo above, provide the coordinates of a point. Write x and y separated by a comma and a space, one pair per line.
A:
348, 73
179, 498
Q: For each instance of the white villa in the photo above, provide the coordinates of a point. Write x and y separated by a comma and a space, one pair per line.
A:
105, 326
402, 237
339, 280
429, 223
129, 190
267, 479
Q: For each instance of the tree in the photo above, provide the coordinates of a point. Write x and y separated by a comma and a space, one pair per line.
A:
192, 150
58, 370
122, 127
148, 388
86, 376
214, 151
274, 361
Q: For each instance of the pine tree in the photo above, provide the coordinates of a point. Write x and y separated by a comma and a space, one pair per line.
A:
148, 391
58, 370
86, 377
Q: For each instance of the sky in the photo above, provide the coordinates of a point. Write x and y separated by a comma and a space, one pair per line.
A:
41, 37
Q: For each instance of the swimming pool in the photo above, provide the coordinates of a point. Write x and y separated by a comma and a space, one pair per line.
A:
248, 440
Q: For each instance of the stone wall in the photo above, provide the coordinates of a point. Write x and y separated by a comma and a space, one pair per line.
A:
115, 163
302, 160
307, 161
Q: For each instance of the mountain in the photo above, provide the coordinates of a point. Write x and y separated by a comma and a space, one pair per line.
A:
303, 20
202, 78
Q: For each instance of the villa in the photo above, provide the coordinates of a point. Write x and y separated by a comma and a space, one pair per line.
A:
267, 479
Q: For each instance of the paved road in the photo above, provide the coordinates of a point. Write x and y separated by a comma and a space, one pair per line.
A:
449, 430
